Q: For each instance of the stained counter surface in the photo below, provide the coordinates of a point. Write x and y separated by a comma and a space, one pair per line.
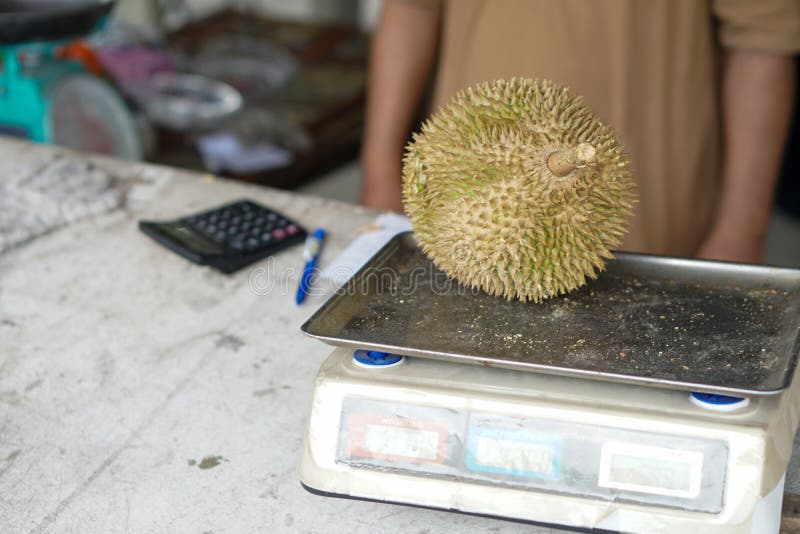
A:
142, 393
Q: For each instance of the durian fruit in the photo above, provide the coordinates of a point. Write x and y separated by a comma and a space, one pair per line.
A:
517, 189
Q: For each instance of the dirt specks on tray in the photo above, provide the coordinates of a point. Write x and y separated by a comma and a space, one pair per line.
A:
647, 319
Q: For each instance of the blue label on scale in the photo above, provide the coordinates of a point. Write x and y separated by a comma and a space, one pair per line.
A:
514, 452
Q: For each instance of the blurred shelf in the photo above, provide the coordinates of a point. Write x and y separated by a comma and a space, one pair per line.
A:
317, 113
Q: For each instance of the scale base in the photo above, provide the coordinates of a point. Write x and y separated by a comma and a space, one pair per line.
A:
320, 493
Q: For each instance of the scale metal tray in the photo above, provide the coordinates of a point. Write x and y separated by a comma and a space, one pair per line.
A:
650, 320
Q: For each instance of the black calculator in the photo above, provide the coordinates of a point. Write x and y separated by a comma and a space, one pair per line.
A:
228, 237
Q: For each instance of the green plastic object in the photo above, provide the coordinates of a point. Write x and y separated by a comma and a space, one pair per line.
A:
25, 90
52, 100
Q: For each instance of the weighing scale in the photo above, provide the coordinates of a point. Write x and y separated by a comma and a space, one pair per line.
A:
48, 99
658, 397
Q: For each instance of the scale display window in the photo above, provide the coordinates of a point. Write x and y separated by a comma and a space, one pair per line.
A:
386, 436
539, 455
397, 439
520, 453
656, 470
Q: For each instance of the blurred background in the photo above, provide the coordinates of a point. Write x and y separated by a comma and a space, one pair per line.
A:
264, 91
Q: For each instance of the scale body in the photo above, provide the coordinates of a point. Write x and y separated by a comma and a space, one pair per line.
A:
590, 410
547, 449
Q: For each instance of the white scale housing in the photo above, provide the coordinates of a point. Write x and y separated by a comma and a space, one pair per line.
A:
547, 449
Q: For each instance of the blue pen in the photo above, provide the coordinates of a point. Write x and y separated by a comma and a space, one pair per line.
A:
311, 252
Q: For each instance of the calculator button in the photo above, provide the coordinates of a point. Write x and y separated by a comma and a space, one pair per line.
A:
243, 228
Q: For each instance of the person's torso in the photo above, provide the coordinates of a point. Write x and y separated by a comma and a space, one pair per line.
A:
647, 69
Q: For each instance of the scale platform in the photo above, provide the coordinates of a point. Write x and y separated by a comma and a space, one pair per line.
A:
685, 324
579, 413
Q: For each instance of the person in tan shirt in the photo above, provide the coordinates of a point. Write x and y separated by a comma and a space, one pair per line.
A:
699, 92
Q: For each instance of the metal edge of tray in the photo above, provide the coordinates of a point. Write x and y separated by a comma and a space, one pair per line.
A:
558, 371
338, 294
717, 266
651, 260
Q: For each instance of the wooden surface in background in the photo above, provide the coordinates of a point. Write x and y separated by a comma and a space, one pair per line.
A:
327, 93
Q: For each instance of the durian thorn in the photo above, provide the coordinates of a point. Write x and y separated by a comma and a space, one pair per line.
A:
563, 162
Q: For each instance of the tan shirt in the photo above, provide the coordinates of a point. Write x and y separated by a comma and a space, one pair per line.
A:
647, 68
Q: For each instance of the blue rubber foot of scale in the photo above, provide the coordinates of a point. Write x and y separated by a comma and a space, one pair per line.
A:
717, 402
373, 358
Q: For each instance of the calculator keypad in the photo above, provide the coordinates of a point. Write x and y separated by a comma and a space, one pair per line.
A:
243, 226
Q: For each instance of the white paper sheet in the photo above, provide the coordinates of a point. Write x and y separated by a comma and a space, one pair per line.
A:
363, 247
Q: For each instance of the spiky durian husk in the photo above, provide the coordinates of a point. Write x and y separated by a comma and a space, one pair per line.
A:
487, 209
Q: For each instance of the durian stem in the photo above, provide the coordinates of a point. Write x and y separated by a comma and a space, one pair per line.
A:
565, 161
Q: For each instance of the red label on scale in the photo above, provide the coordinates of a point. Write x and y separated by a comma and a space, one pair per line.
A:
396, 438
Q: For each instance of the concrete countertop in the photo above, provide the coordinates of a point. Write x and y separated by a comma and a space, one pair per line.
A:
142, 393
